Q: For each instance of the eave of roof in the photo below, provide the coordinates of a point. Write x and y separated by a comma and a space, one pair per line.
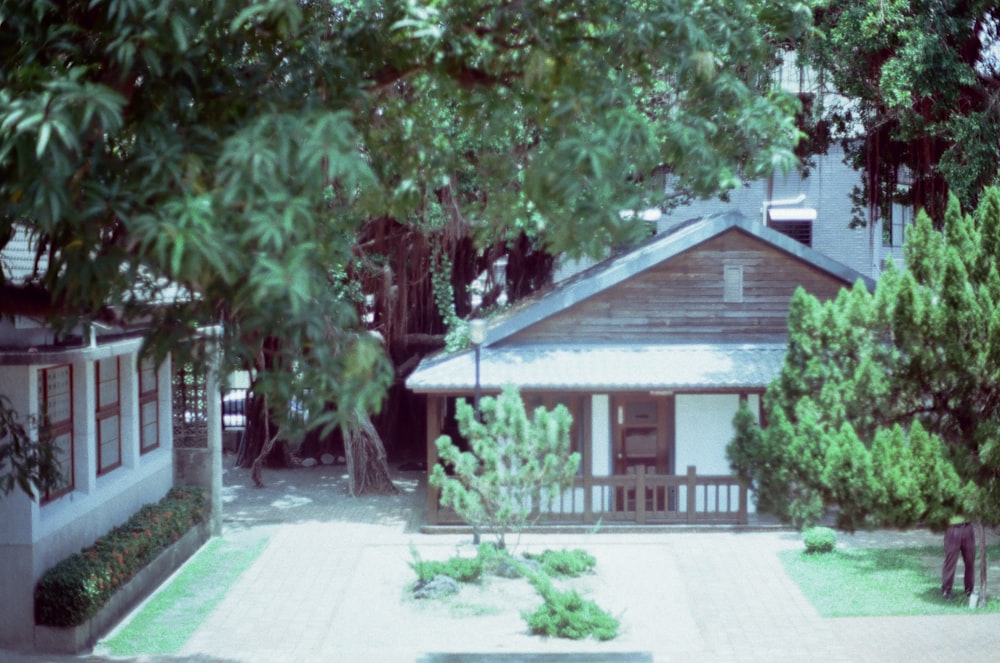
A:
604, 368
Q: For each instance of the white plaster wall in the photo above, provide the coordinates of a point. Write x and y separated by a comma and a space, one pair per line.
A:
600, 454
34, 537
703, 429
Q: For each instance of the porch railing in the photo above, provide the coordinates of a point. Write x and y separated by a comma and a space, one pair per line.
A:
639, 498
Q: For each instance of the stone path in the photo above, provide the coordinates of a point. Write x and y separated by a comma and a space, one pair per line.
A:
331, 586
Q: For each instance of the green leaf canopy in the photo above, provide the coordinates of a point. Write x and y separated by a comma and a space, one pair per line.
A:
218, 158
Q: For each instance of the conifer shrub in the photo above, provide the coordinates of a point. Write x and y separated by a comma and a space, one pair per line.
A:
819, 539
74, 590
462, 569
515, 468
566, 614
569, 563
491, 557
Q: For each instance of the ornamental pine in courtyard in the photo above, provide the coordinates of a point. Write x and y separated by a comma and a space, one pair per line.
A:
515, 467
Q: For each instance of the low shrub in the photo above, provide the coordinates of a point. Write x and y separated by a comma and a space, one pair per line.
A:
568, 563
74, 589
462, 569
491, 557
819, 540
566, 614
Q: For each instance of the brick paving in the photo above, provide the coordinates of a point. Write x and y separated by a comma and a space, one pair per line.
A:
331, 586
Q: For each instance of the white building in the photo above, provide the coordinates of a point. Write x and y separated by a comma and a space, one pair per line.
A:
110, 417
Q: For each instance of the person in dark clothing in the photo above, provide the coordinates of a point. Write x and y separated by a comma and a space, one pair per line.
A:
958, 538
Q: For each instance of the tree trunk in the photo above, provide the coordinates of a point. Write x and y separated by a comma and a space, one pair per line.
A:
367, 466
258, 462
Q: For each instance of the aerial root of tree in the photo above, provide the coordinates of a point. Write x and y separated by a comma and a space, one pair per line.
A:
258, 462
367, 465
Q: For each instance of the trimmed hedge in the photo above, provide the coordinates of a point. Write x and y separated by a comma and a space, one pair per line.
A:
76, 588
819, 540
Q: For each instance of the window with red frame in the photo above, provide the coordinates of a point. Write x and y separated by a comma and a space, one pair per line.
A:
149, 409
109, 439
55, 402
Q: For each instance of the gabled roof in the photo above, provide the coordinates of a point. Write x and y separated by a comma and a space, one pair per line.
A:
662, 247
621, 367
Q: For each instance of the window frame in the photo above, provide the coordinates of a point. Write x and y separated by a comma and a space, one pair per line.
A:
55, 430
146, 397
104, 411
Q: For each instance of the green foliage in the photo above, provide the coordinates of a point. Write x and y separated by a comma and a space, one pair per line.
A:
918, 80
457, 335
516, 466
569, 563
23, 464
227, 156
491, 557
566, 614
885, 406
462, 569
77, 587
819, 539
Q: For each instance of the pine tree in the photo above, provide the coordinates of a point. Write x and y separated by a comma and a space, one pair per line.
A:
515, 468
885, 412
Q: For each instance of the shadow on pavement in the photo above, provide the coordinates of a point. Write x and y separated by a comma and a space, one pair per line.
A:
317, 494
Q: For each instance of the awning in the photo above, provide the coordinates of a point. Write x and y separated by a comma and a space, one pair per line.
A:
603, 367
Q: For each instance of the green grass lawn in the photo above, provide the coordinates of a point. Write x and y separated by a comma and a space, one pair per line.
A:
166, 621
865, 582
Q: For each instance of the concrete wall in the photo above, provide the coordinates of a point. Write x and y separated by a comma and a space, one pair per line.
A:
34, 536
827, 189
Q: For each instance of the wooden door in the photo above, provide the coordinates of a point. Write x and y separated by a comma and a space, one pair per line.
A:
643, 437
643, 434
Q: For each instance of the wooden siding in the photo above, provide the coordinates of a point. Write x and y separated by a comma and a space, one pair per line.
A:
683, 299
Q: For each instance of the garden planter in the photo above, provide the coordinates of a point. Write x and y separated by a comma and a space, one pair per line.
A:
81, 638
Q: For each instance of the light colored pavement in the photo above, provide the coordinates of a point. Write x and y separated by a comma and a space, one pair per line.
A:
331, 585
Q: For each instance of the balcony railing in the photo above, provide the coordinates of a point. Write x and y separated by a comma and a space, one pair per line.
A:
636, 499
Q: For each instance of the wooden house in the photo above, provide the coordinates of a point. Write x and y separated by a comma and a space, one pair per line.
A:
652, 352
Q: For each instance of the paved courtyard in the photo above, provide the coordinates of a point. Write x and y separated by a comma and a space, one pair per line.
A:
330, 585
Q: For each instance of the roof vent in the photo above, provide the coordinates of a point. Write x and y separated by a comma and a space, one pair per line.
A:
795, 222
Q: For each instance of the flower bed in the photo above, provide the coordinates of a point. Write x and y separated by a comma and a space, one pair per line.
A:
76, 588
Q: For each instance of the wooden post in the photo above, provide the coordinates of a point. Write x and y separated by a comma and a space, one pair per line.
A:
640, 494
744, 505
692, 495
435, 423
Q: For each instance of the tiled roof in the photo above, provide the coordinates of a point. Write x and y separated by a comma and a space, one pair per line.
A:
603, 367
17, 258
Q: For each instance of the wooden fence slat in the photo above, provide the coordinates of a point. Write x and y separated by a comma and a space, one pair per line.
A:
608, 499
